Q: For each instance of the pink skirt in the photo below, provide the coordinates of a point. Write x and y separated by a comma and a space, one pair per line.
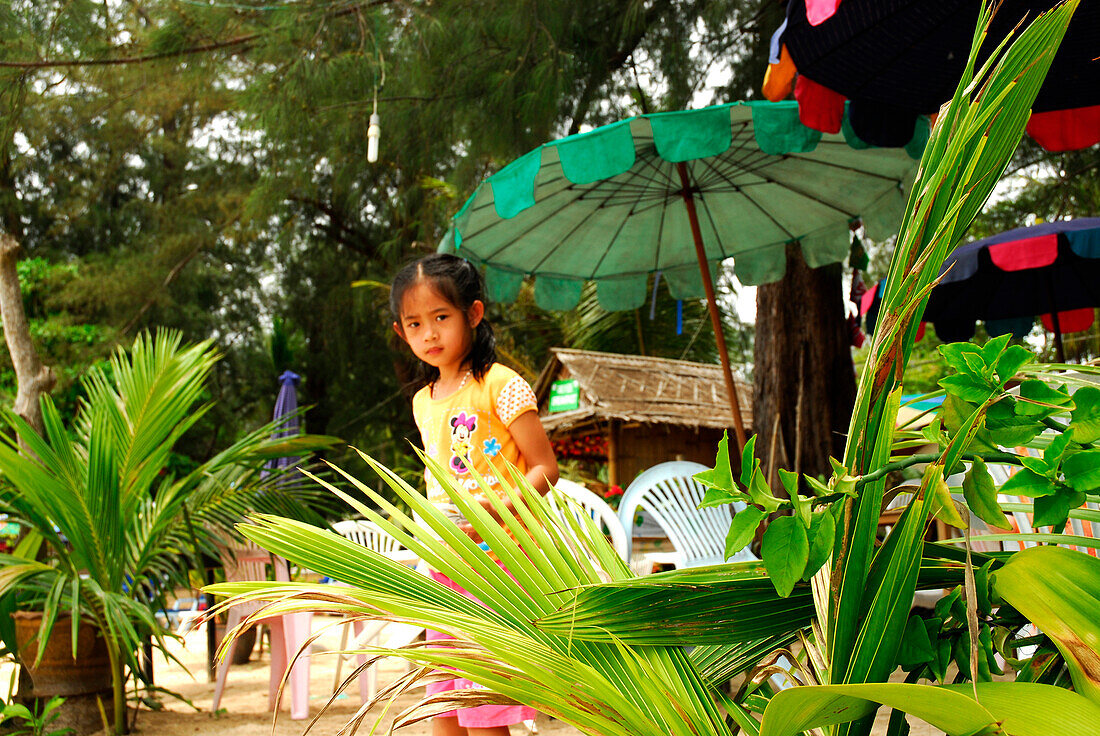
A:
482, 716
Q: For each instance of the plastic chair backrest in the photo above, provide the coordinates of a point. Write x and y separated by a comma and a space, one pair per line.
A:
595, 508
670, 496
247, 562
368, 534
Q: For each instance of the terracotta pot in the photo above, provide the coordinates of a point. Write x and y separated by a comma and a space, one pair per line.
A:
59, 673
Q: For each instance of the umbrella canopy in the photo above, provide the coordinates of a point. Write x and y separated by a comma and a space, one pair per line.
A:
1051, 270
676, 193
895, 59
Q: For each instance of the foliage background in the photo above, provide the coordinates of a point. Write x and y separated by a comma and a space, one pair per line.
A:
202, 166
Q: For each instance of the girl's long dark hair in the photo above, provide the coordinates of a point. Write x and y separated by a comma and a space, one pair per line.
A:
459, 282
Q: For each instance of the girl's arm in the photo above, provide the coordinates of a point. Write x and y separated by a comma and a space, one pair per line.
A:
534, 447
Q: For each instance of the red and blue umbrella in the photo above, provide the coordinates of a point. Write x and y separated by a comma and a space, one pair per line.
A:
1050, 271
896, 59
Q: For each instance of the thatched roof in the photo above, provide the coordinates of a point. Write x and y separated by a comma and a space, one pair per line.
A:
639, 389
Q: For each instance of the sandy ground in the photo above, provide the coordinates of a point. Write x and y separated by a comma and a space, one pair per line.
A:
243, 710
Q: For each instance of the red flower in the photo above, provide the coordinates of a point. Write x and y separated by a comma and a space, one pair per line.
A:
613, 491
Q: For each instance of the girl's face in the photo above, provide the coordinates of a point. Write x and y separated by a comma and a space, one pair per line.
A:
437, 331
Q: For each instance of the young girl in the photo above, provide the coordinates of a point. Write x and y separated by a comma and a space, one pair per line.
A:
473, 412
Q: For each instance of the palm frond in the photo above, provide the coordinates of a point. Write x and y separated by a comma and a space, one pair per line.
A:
600, 687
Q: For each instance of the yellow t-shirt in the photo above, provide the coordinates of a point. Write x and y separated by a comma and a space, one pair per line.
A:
472, 423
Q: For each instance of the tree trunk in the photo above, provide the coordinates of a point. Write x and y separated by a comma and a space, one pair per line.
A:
33, 378
804, 381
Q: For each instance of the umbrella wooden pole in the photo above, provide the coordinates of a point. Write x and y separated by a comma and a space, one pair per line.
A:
1059, 349
712, 304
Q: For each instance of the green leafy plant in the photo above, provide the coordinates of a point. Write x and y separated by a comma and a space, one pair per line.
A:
35, 722
826, 582
117, 531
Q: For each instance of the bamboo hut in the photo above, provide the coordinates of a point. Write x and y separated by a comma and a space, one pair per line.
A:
632, 412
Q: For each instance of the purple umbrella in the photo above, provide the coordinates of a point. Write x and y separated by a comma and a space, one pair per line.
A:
286, 405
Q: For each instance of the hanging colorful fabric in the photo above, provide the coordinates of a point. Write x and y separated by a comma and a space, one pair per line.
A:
819, 107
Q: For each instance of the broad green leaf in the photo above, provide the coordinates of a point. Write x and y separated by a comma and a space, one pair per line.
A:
967, 388
743, 529
1057, 447
1082, 471
977, 367
748, 461
822, 537
1053, 510
952, 606
1023, 709
803, 505
789, 480
1011, 361
955, 354
981, 587
991, 351
942, 504
985, 638
720, 477
1039, 466
916, 647
1058, 589
955, 412
981, 496
720, 497
1006, 428
842, 481
759, 492
942, 660
1025, 482
1015, 435
1037, 399
785, 550
934, 433
1086, 416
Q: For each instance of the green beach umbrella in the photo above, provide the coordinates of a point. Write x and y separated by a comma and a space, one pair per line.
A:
677, 193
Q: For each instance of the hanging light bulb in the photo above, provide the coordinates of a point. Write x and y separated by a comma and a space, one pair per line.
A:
374, 128
374, 132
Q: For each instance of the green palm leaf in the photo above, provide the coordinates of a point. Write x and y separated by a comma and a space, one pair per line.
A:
119, 533
599, 687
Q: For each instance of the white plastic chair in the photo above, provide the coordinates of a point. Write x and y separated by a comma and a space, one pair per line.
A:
289, 632
369, 633
595, 508
670, 497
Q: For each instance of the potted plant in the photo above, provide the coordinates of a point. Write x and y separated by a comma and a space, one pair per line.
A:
117, 532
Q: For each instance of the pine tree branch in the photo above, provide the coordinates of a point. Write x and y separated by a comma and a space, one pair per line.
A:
141, 59
190, 51
338, 227
172, 275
